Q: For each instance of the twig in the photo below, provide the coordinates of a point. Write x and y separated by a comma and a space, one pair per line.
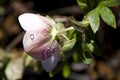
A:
17, 40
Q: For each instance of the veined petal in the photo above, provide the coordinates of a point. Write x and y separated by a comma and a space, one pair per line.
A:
30, 22
48, 54
34, 39
51, 62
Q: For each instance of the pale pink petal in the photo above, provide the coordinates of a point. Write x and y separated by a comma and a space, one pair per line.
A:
30, 22
40, 51
47, 20
48, 54
33, 39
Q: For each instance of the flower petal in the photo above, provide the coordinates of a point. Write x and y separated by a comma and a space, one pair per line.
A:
34, 39
48, 54
51, 62
30, 22
47, 20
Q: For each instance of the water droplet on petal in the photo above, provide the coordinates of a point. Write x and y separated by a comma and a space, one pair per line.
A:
32, 36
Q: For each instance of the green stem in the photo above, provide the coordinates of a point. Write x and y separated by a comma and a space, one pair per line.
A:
65, 30
84, 45
83, 40
64, 36
54, 32
83, 24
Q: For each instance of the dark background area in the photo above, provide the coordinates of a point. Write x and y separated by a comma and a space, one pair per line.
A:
106, 67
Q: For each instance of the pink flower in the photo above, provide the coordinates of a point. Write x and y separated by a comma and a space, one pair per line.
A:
38, 42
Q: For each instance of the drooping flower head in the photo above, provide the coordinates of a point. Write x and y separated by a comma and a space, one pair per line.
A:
38, 41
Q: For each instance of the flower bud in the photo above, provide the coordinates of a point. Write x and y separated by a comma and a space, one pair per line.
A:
38, 41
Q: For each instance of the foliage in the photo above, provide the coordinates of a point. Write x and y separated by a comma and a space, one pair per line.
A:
99, 10
75, 41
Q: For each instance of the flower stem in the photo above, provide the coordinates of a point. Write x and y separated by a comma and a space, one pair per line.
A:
64, 36
65, 30
54, 32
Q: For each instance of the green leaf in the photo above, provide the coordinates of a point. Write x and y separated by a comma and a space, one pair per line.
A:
70, 40
110, 3
75, 56
67, 45
91, 46
97, 50
94, 20
82, 4
107, 16
87, 61
71, 34
66, 71
28, 60
51, 74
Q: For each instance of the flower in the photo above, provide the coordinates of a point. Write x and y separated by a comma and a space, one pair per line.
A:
38, 40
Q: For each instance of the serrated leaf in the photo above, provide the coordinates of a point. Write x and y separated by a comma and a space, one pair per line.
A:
107, 16
94, 20
82, 4
110, 3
